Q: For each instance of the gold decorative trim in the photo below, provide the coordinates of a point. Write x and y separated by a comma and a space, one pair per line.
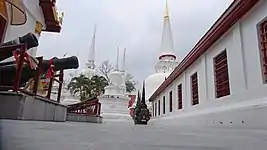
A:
38, 28
3, 11
57, 16
167, 10
55, 13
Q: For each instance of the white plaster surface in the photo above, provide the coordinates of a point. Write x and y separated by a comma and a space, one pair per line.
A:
245, 74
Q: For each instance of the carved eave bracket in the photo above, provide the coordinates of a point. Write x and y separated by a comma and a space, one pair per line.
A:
52, 21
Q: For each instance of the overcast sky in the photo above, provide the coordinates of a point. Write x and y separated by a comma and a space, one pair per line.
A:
132, 24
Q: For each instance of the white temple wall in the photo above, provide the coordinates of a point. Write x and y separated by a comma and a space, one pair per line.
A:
189, 72
34, 14
244, 67
250, 43
241, 118
175, 95
167, 100
222, 44
182, 80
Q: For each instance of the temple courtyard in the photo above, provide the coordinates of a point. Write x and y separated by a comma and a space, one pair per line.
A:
35, 135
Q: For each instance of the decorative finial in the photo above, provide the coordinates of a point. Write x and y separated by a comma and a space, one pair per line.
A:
138, 101
123, 61
60, 17
167, 10
143, 99
117, 63
91, 58
95, 26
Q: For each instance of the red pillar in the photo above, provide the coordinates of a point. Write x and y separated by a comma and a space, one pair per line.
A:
61, 75
19, 69
50, 86
37, 76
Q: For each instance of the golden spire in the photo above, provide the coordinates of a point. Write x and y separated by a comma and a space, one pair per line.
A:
167, 10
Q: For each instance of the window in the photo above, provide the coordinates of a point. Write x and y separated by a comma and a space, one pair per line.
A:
194, 89
180, 97
163, 105
2, 29
159, 107
170, 101
3, 20
222, 87
155, 109
263, 46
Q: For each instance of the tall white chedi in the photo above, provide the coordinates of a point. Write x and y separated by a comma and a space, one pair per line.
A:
115, 100
90, 70
167, 59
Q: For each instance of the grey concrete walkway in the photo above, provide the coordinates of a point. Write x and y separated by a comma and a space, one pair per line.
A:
31, 135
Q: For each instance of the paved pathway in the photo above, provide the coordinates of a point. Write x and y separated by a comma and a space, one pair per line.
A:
33, 135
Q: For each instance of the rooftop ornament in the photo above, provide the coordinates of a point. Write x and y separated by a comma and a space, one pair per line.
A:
60, 17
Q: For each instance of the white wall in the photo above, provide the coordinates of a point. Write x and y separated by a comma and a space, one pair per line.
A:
241, 118
115, 109
251, 44
244, 66
34, 13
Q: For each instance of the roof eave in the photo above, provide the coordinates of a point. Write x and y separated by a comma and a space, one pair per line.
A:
50, 15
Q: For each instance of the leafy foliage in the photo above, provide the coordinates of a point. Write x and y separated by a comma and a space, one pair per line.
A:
130, 83
86, 88
130, 86
98, 83
80, 86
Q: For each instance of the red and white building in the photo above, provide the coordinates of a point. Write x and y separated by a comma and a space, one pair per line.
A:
223, 79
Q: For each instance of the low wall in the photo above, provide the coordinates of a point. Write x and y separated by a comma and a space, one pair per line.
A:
24, 107
83, 118
242, 116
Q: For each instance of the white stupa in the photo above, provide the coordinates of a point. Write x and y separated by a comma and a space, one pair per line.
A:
89, 69
115, 100
167, 60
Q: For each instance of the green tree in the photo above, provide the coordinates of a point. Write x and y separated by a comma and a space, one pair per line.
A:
98, 85
86, 88
81, 86
130, 83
